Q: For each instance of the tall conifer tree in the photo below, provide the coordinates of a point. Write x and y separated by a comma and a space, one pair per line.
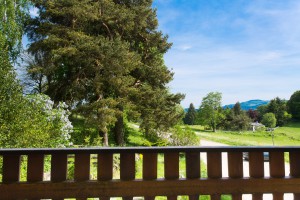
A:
190, 116
106, 57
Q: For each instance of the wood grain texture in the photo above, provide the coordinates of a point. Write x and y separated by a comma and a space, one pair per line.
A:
192, 160
235, 170
105, 166
58, 167
149, 169
82, 167
171, 161
11, 168
35, 168
214, 170
127, 169
277, 170
71, 189
295, 168
256, 169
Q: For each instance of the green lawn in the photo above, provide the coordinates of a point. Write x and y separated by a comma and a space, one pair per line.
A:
288, 135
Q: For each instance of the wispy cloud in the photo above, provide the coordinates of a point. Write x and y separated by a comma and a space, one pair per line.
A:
244, 49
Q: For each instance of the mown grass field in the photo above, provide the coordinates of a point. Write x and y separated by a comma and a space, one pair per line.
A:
288, 135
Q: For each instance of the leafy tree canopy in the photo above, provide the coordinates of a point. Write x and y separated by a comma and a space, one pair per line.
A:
210, 111
294, 105
269, 120
12, 15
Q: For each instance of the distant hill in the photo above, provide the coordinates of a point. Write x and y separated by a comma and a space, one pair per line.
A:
247, 105
251, 104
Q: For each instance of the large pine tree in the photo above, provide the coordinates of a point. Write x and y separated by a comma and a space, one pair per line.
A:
105, 57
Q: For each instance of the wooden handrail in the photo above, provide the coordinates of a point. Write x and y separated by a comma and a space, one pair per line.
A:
127, 185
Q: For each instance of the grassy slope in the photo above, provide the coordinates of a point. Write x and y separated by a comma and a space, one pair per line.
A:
288, 135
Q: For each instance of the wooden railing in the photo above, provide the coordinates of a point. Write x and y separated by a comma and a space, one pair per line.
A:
97, 174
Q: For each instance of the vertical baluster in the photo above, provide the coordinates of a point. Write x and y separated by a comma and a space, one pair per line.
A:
295, 169
105, 169
58, 168
35, 168
127, 168
256, 167
277, 170
82, 168
214, 169
235, 169
193, 168
11, 171
171, 161
149, 169
11, 168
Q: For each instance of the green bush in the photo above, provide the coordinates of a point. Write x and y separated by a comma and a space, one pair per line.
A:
183, 137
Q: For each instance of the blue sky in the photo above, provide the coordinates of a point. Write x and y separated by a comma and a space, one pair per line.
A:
245, 49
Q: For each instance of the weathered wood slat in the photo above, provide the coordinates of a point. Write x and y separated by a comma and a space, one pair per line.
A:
235, 170
58, 167
105, 169
11, 168
35, 169
171, 161
256, 169
277, 170
59, 164
295, 168
214, 170
105, 166
192, 160
82, 167
127, 169
149, 169
69, 189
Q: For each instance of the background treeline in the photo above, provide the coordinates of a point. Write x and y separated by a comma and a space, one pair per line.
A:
212, 115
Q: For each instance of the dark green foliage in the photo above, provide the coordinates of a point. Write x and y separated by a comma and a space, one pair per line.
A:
190, 116
240, 122
279, 108
261, 111
237, 110
294, 105
236, 119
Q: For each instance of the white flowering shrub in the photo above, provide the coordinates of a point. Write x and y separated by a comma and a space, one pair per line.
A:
57, 117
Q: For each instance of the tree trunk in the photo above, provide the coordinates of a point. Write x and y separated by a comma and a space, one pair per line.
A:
119, 131
104, 136
105, 139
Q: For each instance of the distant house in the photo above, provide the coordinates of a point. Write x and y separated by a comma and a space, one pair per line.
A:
256, 125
